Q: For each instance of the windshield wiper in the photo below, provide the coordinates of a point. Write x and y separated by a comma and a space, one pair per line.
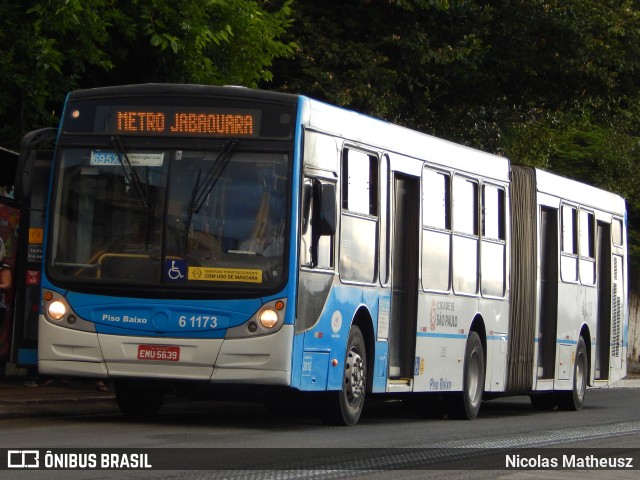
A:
130, 174
202, 190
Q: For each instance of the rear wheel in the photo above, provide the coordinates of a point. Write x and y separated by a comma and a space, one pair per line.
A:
345, 406
138, 399
574, 399
466, 404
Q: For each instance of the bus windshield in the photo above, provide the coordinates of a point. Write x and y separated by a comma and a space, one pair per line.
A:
170, 217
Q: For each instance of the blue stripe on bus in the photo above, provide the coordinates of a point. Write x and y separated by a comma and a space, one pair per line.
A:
497, 337
441, 335
490, 337
560, 341
456, 335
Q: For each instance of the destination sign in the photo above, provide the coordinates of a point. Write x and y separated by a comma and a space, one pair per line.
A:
170, 121
237, 124
211, 113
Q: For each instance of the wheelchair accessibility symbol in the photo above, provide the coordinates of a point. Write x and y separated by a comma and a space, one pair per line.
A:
175, 270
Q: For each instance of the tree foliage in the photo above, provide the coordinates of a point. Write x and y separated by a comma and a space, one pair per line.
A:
469, 70
49, 47
549, 83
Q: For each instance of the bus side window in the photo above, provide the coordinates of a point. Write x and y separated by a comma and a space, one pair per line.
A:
569, 257
359, 224
587, 248
436, 234
493, 253
465, 238
616, 232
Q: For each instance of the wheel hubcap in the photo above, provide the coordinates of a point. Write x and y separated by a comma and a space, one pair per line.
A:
354, 376
580, 380
473, 379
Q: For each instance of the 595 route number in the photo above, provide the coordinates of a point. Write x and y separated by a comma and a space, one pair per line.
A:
197, 321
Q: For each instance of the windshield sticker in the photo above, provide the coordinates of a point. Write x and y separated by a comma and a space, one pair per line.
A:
225, 274
99, 158
175, 270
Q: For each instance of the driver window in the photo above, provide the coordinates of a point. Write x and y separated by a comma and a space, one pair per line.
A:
325, 243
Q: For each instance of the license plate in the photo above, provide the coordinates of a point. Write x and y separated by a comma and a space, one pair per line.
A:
168, 353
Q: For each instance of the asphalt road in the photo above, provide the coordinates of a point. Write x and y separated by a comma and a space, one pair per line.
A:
198, 439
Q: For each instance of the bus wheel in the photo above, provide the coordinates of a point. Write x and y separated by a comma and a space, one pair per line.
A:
345, 406
466, 404
138, 400
574, 399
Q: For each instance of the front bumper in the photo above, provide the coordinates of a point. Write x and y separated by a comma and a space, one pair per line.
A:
263, 360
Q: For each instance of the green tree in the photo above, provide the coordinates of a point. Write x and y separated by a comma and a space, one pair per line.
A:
468, 70
549, 83
49, 47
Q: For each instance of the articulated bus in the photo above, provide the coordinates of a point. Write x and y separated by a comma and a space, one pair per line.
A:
224, 236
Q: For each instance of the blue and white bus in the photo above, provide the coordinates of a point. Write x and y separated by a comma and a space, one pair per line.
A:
228, 236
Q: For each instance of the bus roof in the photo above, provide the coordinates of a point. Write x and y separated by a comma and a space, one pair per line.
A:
401, 140
172, 89
578, 192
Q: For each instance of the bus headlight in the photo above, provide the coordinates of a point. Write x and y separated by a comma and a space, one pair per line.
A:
268, 318
57, 310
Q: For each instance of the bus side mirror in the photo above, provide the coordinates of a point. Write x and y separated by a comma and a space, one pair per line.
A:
307, 192
324, 215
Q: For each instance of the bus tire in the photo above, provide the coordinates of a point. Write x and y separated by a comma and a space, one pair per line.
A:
466, 404
573, 399
138, 400
344, 407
